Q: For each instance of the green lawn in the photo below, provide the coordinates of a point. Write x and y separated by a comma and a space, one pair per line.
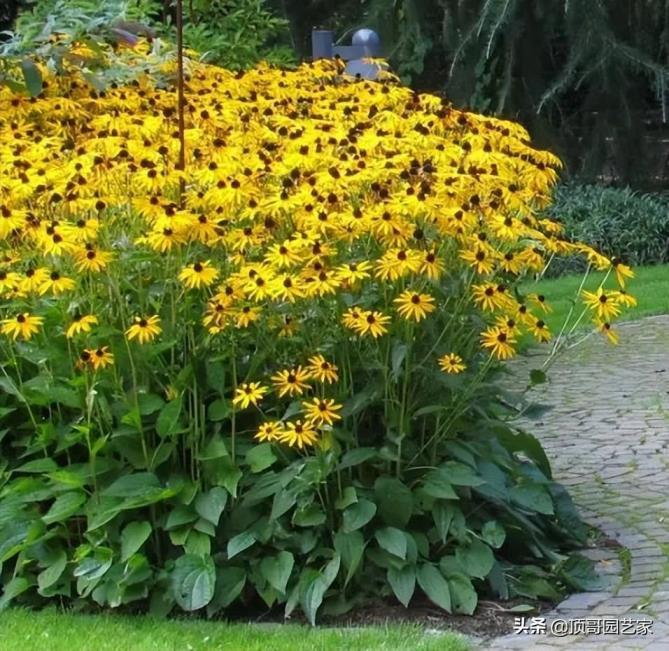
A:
51, 630
650, 286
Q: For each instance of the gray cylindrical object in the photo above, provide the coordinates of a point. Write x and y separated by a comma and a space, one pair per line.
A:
322, 42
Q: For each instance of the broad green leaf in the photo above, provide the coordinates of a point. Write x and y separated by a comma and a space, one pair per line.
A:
179, 516
240, 542
533, 497
463, 595
210, 505
64, 506
309, 516
435, 586
283, 501
476, 558
459, 474
443, 513
193, 581
356, 456
197, 543
149, 403
260, 457
493, 533
311, 594
392, 540
228, 475
403, 583
537, 376
230, 582
12, 589
53, 572
436, 484
218, 410
32, 77
348, 497
132, 485
168, 418
351, 547
394, 501
276, 570
38, 466
134, 535
398, 356
358, 515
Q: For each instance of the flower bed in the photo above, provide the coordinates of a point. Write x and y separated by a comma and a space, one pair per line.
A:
267, 377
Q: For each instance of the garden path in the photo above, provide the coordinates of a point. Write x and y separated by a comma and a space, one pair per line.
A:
607, 438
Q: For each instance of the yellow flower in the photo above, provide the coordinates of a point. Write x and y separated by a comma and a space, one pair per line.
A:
99, 358
80, 324
322, 370
412, 305
540, 330
298, 434
452, 363
56, 284
144, 329
373, 323
270, 431
23, 325
249, 393
291, 381
321, 411
623, 272
610, 333
604, 304
197, 275
499, 342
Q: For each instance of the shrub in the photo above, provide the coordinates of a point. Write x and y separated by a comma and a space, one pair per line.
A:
269, 377
617, 221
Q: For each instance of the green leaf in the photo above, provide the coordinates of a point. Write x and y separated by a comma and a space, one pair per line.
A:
168, 419
348, 497
210, 505
64, 506
459, 474
476, 558
579, 573
311, 595
443, 514
53, 572
13, 589
533, 497
356, 456
399, 353
230, 582
38, 466
134, 535
197, 543
193, 581
392, 540
403, 583
282, 502
394, 501
228, 475
351, 547
240, 542
435, 586
32, 77
219, 410
277, 570
537, 376
179, 516
149, 403
493, 533
358, 515
132, 485
260, 457
309, 516
463, 595
436, 484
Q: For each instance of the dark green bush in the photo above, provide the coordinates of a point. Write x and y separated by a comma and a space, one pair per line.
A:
616, 221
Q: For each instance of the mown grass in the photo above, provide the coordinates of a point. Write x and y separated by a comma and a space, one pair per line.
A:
52, 630
650, 286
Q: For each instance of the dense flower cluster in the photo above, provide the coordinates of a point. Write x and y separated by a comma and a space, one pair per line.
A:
308, 203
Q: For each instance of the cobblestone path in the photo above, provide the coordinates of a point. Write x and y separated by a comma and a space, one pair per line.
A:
607, 438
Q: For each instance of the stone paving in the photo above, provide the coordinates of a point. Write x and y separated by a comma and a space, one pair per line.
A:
607, 437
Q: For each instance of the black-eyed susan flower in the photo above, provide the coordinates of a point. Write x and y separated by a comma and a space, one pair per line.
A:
623, 271
321, 411
144, 329
56, 284
91, 259
414, 305
451, 363
499, 342
99, 358
373, 323
245, 316
269, 431
80, 323
607, 329
249, 393
23, 325
431, 266
33, 279
198, 275
299, 434
320, 369
291, 382
604, 304
540, 330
